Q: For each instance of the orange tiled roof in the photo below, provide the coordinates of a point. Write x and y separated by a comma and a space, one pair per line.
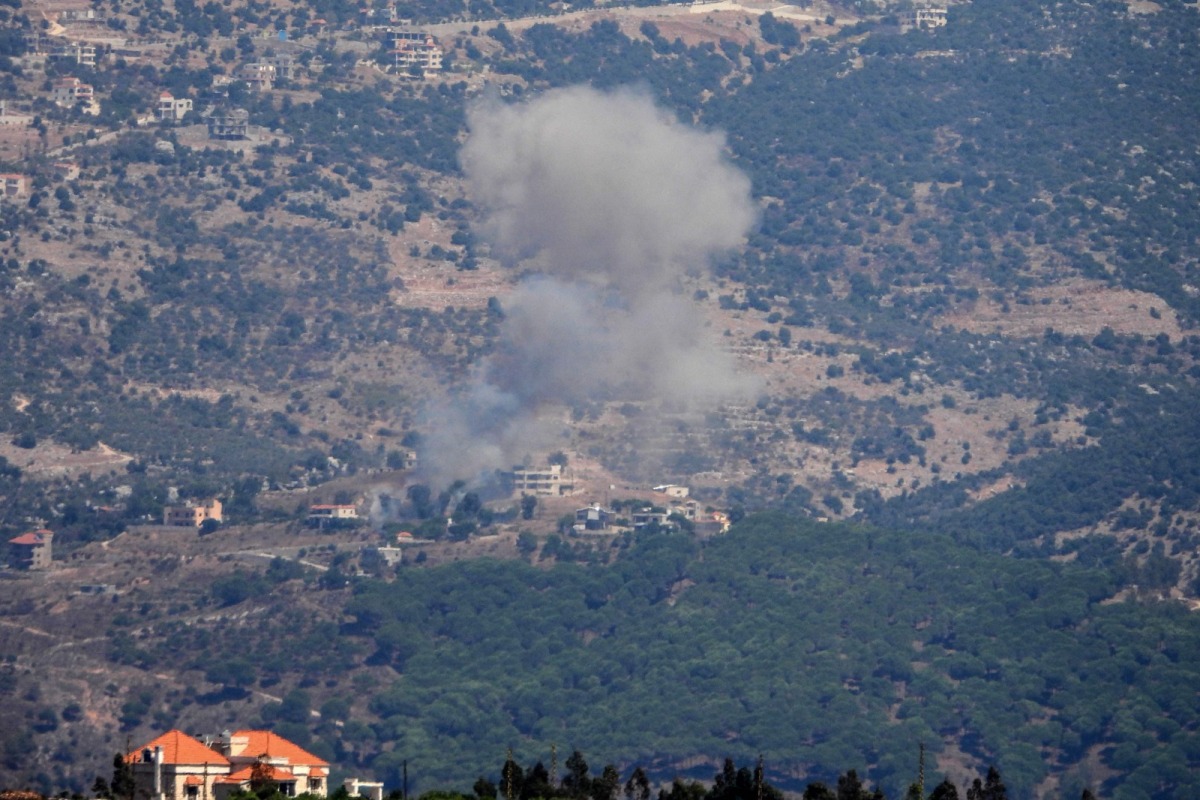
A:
272, 745
32, 537
318, 772
193, 780
247, 773
179, 748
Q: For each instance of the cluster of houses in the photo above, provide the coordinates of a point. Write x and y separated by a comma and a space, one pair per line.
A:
675, 505
176, 766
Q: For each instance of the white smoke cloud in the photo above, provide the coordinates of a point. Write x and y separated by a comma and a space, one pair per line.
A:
608, 200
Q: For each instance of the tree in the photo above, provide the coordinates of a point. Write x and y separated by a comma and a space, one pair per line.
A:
607, 785
122, 785
421, 496
681, 790
638, 785
944, 791
992, 787
484, 788
818, 791
849, 787
536, 783
528, 506
576, 782
262, 779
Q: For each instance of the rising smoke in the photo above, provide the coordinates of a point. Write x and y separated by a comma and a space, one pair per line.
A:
604, 201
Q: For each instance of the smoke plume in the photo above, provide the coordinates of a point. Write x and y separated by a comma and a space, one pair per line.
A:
604, 201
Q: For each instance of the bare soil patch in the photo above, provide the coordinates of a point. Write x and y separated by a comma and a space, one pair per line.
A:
1075, 307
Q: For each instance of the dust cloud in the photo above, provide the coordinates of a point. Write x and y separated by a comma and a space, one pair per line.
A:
605, 202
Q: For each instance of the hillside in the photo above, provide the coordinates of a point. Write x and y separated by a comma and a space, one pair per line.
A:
820, 647
939, 282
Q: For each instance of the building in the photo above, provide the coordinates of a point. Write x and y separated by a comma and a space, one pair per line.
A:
673, 490
548, 481
79, 52
31, 550
592, 518
173, 109
925, 17
14, 185
685, 509
648, 516
67, 169
424, 56
78, 15
326, 516
71, 92
254, 755
233, 123
259, 75
176, 766
357, 788
192, 515
285, 67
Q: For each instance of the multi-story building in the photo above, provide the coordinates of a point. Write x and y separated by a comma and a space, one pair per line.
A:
233, 123
31, 550
171, 108
592, 518
70, 92
176, 766
925, 17
423, 55
79, 52
259, 75
254, 755
545, 481
330, 516
192, 515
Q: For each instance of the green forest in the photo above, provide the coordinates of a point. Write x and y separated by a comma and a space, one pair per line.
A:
817, 646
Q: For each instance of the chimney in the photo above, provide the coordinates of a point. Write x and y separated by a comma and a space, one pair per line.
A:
158, 762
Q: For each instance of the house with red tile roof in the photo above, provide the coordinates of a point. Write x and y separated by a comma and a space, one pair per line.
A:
31, 550
176, 766
263, 755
